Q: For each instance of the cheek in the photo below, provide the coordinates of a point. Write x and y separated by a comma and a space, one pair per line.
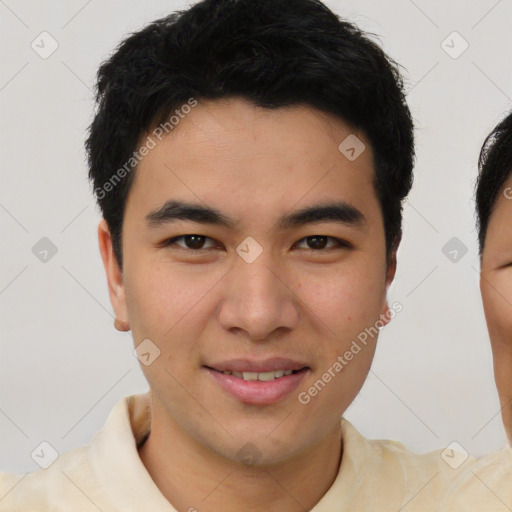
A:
358, 290
161, 299
346, 301
497, 299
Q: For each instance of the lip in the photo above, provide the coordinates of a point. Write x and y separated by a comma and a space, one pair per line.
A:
267, 365
256, 391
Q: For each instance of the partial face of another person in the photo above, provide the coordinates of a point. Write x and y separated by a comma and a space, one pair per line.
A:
496, 287
231, 264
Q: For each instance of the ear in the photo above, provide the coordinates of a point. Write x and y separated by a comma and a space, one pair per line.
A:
114, 277
385, 314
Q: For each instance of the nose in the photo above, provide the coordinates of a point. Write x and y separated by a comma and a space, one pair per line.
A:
258, 299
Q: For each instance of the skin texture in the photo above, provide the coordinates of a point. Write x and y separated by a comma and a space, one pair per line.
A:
254, 165
496, 287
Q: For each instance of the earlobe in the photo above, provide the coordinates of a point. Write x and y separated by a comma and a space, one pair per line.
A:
114, 275
121, 325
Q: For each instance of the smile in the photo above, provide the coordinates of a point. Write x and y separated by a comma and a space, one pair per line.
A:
258, 388
263, 376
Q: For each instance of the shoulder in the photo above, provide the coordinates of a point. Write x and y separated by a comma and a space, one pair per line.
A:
388, 454
485, 485
68, 480
389, 468
76, 479
447, 480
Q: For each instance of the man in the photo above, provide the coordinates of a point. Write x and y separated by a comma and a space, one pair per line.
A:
250, 160
494, 212
494, 208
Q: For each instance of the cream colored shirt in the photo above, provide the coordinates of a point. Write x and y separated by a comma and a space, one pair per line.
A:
374, 475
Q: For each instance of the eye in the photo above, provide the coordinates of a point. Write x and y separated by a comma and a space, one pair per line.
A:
195, 243
192, 242
319, 242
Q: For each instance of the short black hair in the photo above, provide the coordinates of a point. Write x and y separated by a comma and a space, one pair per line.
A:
494, 168
272, 53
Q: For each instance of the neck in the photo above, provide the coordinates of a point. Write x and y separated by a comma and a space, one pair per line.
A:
194, 478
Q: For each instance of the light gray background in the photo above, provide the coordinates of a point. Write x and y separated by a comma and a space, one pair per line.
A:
62, 364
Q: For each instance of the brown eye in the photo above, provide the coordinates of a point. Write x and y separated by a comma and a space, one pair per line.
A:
319, 242
192, 242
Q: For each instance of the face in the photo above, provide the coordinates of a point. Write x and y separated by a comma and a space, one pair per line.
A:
496, 287
252, 245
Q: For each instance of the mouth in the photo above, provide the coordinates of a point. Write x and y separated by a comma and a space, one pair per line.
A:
260, 376
258, 387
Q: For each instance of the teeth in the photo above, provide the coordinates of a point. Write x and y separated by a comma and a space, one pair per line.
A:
266, 376
262, 376
250, 375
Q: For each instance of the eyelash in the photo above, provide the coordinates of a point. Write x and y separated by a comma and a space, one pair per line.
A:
341, 244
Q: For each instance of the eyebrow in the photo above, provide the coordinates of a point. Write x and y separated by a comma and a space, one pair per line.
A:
173, 210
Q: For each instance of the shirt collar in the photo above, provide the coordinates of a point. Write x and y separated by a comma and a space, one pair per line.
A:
115, 459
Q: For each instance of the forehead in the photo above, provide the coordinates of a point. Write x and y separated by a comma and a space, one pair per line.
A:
231, 155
